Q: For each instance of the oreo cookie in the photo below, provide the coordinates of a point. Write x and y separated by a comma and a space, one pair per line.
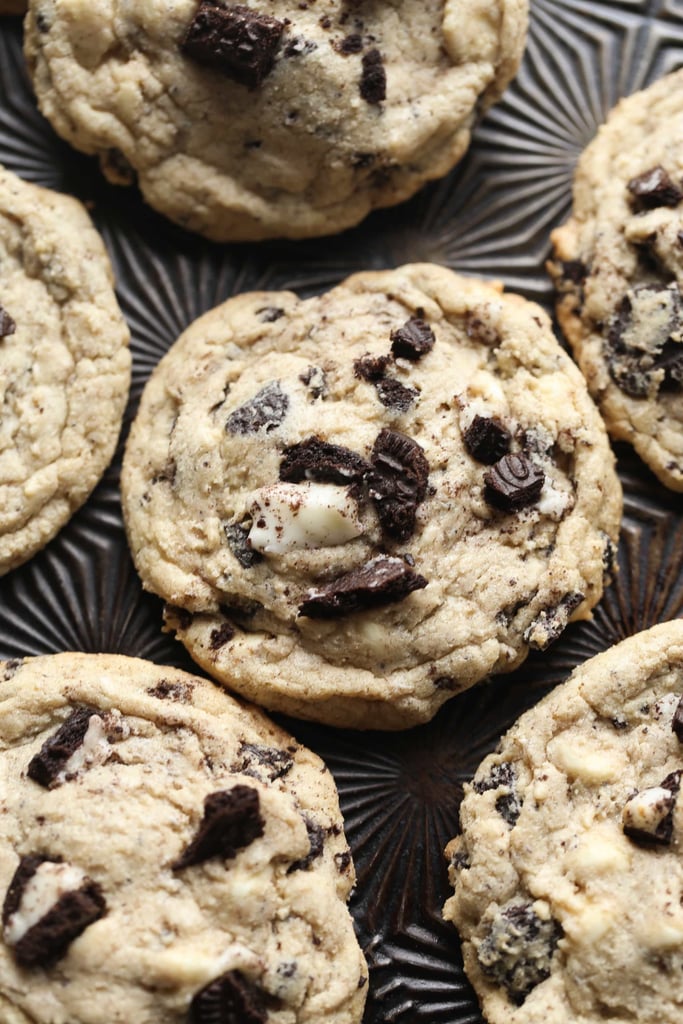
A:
231, 821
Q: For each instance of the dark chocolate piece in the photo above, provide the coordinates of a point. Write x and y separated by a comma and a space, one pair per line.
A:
237, 536
46, 765
518, 949
231, 821
486, 439
316, 839
373, 82
502, 776
371, 368
235, 40
397, 482
644, 352
352, 43
7, 324
653, 188
659, 829
380, 582
513, 483
266, 409
574, 271
318, 460
220, 636
262, 762
413, 340
230, 999
677, 723
48, 940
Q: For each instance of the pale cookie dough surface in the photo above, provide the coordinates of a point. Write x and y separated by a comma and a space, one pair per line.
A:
569, 871
619, 269
365, 584
346, 106
246, 924
64, 364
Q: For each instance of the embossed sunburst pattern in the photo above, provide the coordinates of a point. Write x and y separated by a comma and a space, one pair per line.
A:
492, 217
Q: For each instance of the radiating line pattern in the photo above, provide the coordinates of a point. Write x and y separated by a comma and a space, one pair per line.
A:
491, 216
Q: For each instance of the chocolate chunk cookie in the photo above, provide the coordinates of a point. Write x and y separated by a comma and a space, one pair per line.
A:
166, 855
273, 117
618, 268
64, 364
355, 562
568, 873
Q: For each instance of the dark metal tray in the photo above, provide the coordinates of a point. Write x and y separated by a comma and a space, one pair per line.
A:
492, 217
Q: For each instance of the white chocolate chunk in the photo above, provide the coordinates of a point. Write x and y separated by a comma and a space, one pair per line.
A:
288, 517
581, 759
553, 502
647, 810
49, 883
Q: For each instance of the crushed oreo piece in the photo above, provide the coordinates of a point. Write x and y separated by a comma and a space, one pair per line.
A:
316, 382
48, 940
381, 581
343, 861
397, 482
221, 635
299, 47
677, 723
166, 690
322, 462
46, 766
316, 839
267, 409
574, 271
371, 368
235, 40
352, 43
478, 330
644, 342
648, 817
262, 762
653, 188
513, 483
518, 949
231, 821
414, 340
552, 621
502, 776
269, 314
373, 82
230, 999
7, 324
395, 395
237, 536
460, 861
486, 439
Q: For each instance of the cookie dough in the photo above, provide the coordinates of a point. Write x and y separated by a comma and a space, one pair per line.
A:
359, 504
568, 874
618, 269
167, 856
248, 121
64, 364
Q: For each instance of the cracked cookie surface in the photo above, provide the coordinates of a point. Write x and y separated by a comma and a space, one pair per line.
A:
168, 855
618, 268
64, 364
360, 504
246, 121
568, 873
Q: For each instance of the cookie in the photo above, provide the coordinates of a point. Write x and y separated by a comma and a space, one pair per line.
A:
273, 118
359, 504
168, 856
568, 871
618, 268
64, 364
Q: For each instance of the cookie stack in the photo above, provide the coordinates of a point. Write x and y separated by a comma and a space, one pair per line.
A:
354, 506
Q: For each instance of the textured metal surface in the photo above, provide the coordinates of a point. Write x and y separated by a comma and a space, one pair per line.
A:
492, 217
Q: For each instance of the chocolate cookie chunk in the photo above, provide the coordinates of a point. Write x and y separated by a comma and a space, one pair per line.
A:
265, 411
231, 821
397, 482
382, 581
235, 39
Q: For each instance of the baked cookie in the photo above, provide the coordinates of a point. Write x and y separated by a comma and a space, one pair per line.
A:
248, 121
167, 856
64, 364
359, 504
568, 874
618, 269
